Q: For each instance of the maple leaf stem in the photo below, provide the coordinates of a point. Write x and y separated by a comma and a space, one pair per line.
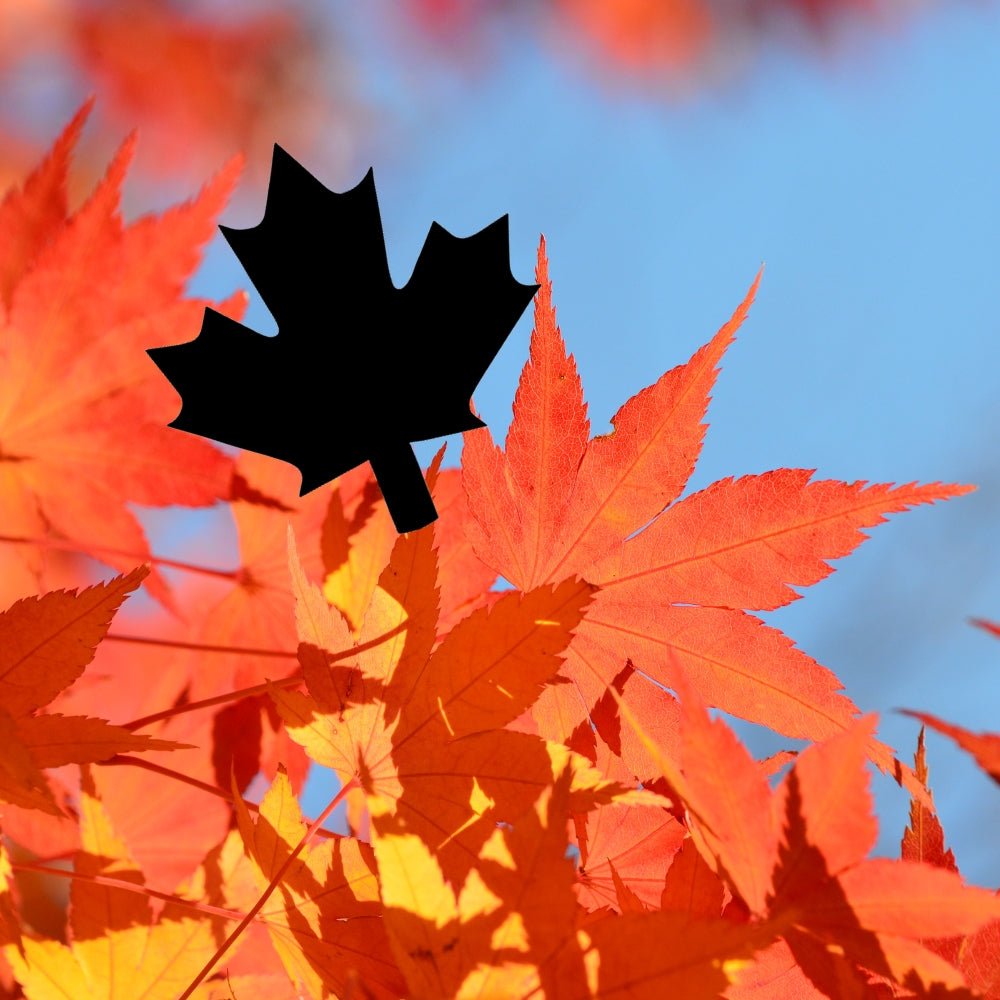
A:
219, 699
222, 699
115, 883
314, 827
120, 760
69, 546
200, 647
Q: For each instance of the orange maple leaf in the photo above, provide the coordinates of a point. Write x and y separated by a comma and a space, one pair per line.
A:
512, 928
671, 575
45, 644
420, 724
83, 413
503, 925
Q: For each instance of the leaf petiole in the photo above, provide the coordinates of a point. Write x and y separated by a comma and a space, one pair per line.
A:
69, 546
120, 760
142, 890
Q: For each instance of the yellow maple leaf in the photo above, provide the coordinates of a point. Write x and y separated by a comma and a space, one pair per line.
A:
117, 950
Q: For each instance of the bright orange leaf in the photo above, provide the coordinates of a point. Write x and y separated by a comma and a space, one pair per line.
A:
839, 911
420, 724
82, 412
495, 934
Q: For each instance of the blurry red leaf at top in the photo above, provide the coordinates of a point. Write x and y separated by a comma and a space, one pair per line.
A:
690, 40
236, 83
644, 34
233, 85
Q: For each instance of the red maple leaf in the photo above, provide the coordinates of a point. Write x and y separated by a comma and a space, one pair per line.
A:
672, 574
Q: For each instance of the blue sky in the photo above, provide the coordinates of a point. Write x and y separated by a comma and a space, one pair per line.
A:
865, 180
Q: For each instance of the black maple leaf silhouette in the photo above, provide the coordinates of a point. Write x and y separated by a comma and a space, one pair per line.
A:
359, 369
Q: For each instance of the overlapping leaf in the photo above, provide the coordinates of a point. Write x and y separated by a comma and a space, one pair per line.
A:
511, 930
624, 843
422, 726
505, 924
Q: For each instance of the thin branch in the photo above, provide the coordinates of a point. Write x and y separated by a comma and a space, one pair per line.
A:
200, 647
120, 760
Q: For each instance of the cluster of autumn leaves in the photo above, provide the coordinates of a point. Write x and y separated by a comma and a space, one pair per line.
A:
539, 802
